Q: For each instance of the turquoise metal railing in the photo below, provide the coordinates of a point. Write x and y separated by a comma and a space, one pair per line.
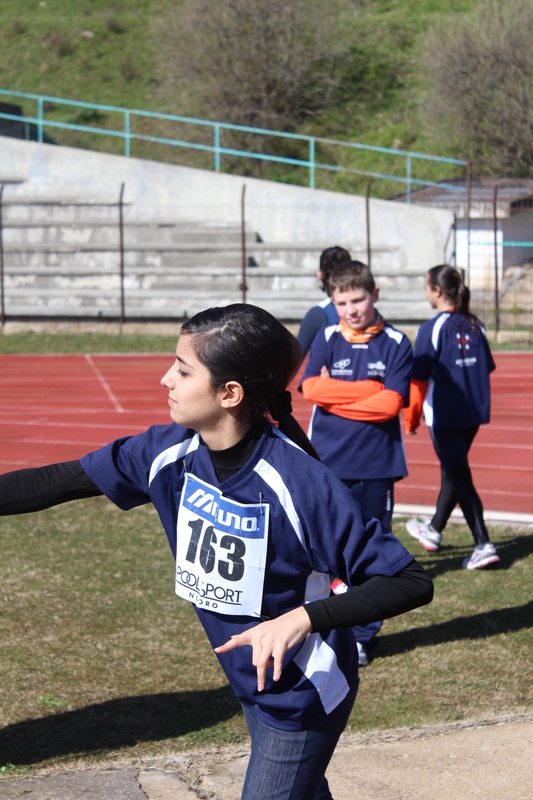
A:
218, 150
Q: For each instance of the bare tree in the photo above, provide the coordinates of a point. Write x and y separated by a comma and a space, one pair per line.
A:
265, 63
480, 85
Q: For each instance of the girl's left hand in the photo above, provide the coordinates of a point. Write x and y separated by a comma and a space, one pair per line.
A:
270, 641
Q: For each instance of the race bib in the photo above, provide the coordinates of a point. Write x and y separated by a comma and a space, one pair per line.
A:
221, 550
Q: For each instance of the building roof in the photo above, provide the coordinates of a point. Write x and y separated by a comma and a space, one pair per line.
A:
514, 195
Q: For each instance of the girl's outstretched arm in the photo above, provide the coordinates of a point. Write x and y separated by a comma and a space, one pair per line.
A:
27, 490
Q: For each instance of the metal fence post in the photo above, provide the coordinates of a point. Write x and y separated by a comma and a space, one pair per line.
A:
312, 163
408, 177
121, 232
243, 246
496, 293
127, 132
217, 148
368, 247
40, 119
468, 202
2, 300
455, 240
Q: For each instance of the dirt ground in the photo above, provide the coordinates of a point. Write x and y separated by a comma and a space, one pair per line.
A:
479, 760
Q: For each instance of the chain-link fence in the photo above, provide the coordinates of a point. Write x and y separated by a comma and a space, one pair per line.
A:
495, 252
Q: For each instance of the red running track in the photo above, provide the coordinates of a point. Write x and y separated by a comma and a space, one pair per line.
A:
56, 408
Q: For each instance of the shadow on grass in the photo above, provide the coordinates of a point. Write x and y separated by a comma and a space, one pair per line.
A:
476, 626
450, 557
115, 724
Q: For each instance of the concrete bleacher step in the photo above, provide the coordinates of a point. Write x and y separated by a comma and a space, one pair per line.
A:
103, 299
136, 237
64, 260
62, 211
280, 261
194, 279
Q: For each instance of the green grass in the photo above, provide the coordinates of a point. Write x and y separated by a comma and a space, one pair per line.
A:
468, 654
100, 659
126, 64
30, 342
98, 655
40, 343
525, 344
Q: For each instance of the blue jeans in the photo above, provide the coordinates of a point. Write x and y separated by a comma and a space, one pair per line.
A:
376, 500
291, 765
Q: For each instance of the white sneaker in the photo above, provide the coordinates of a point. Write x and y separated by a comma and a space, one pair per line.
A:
483, 555
363, 656
430, 540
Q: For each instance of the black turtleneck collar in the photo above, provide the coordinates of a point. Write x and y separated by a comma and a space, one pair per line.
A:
228, 462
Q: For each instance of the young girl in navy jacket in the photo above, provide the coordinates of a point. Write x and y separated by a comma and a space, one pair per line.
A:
257, 527
451, 387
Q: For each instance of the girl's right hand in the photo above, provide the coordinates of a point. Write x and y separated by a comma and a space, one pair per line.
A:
270, 641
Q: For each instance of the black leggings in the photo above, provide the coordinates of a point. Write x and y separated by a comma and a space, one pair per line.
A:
452, 446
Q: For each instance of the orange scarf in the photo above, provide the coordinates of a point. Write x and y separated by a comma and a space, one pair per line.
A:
358, 337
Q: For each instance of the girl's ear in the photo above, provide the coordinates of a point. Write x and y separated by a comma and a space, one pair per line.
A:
231, 395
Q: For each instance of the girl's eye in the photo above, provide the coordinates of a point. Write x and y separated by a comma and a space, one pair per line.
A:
181, 372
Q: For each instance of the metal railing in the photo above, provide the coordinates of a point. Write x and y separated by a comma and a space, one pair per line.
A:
310, 163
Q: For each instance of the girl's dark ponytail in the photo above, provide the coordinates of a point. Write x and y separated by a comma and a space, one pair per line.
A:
463, 300
288, 425
246, 344
450, 281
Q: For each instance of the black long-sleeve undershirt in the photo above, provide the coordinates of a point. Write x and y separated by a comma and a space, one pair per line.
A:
379, 598
28, 490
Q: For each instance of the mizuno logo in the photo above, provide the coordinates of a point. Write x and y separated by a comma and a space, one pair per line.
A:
209, 505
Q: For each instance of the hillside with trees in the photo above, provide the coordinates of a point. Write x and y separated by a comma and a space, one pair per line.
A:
448, 77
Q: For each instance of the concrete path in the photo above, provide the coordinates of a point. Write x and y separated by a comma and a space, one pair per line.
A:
492, 760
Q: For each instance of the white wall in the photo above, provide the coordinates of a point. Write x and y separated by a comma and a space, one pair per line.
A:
164, 192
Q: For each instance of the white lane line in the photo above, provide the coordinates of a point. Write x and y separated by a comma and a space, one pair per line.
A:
478, 444
78, 426
493, 426
408, 509
76, 412
73, 442
481, 490
500, 467
520, 428
11, 358
104, 383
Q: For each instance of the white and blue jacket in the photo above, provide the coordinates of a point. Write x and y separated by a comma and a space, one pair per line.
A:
314, 531
455, 359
